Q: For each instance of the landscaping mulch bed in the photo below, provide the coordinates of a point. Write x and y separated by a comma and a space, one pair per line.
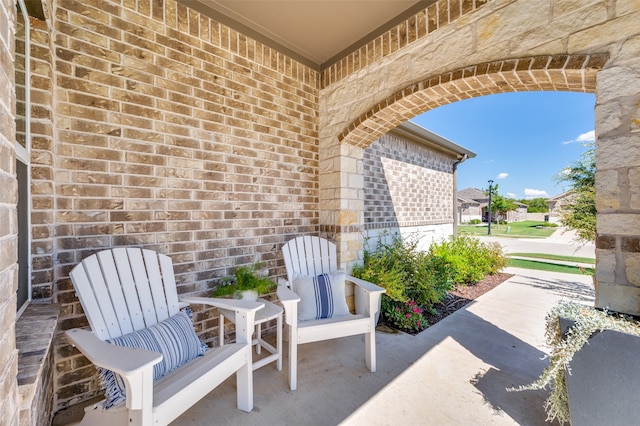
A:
464, 294
460, 296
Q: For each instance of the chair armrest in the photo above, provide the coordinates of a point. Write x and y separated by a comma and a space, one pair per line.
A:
367, 297
122, 360
245, 312
230, 304
135, 365
289, 301
366, 285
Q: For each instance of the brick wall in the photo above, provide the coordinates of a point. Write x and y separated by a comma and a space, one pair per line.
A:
8, 219
408, 190
174, 133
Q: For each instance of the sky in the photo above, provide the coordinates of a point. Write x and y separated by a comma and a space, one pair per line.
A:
521, 140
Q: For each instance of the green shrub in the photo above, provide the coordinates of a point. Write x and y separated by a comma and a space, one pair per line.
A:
408, 274
416, 280
550, 225
474, 221
469, 258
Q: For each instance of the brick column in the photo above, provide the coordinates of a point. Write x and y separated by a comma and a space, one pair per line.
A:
617, 117
341, 200
8, 217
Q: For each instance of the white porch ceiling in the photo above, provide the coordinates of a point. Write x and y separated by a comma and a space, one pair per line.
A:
316, 32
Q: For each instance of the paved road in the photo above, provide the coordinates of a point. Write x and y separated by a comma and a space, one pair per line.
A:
561, 242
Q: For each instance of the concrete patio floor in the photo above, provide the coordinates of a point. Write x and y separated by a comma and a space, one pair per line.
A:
454, 373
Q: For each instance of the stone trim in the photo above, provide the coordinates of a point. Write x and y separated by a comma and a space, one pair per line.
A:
576, 73
403, 224
437, 15
34, 336
339, 229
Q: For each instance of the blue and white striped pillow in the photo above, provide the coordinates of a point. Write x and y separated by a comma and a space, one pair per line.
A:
174, 338
322, 296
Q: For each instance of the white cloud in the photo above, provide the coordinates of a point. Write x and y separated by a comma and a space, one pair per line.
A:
503, 175
511, 195
587, 137
535, 193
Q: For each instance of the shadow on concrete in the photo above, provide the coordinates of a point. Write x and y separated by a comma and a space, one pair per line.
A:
563, 288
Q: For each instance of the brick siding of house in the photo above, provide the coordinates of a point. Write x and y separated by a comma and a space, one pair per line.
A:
408, 191
174, 133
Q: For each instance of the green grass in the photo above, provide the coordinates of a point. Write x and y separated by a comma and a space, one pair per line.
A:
542, 266
527, 228
555, 257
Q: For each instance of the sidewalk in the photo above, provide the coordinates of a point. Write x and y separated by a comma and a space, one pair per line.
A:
454, 373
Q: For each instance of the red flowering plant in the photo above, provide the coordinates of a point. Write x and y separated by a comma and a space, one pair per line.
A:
404, 315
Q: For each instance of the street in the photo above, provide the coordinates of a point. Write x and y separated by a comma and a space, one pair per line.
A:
561, 243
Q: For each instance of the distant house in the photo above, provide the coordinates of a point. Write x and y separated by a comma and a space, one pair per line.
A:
556, 205
473, 203
519, 214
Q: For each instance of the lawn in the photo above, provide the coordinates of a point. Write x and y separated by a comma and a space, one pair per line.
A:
527, 228
543, 266
555, 257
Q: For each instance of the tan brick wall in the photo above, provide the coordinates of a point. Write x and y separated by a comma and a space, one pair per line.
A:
175, 133
406, 184
8, 219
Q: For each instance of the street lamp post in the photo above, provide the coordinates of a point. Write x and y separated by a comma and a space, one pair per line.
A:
489, 216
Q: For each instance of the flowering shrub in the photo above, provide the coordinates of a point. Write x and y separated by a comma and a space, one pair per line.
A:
404, 315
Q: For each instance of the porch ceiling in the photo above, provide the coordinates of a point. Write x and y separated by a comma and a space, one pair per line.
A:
315, 32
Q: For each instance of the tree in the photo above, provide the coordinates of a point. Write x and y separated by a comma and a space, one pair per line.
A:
500, 205
579, 212
536, 205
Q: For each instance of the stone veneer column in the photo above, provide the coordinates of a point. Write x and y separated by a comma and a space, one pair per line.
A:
617, 117
341, 200
8, 217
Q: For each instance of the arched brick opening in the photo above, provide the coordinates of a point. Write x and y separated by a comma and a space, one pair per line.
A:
575, 73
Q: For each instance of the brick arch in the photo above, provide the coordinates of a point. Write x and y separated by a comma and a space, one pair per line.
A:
575, 73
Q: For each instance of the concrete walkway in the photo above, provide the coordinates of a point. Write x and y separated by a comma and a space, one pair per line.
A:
454, 373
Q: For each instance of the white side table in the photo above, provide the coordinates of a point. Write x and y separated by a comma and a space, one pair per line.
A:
269, 312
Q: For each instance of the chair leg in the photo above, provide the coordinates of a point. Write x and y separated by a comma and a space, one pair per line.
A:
279, 342
293, 358
370, 350
221, 329
244, 387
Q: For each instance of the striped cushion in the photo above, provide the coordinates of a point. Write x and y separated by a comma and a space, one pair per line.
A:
174, 338
321, 296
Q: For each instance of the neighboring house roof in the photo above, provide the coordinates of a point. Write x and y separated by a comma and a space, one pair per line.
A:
432, 140
473, 194
560, 196
466, 201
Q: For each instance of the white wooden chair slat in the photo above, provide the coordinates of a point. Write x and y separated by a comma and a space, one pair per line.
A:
114, 284
311, 256
89, 302
129, 288
136, 263
170, 287
98, 283
155, 280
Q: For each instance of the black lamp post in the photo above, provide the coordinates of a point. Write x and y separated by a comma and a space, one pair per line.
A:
489, 217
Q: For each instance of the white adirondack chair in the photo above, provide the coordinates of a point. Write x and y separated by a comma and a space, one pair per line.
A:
312, 256
127, 289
